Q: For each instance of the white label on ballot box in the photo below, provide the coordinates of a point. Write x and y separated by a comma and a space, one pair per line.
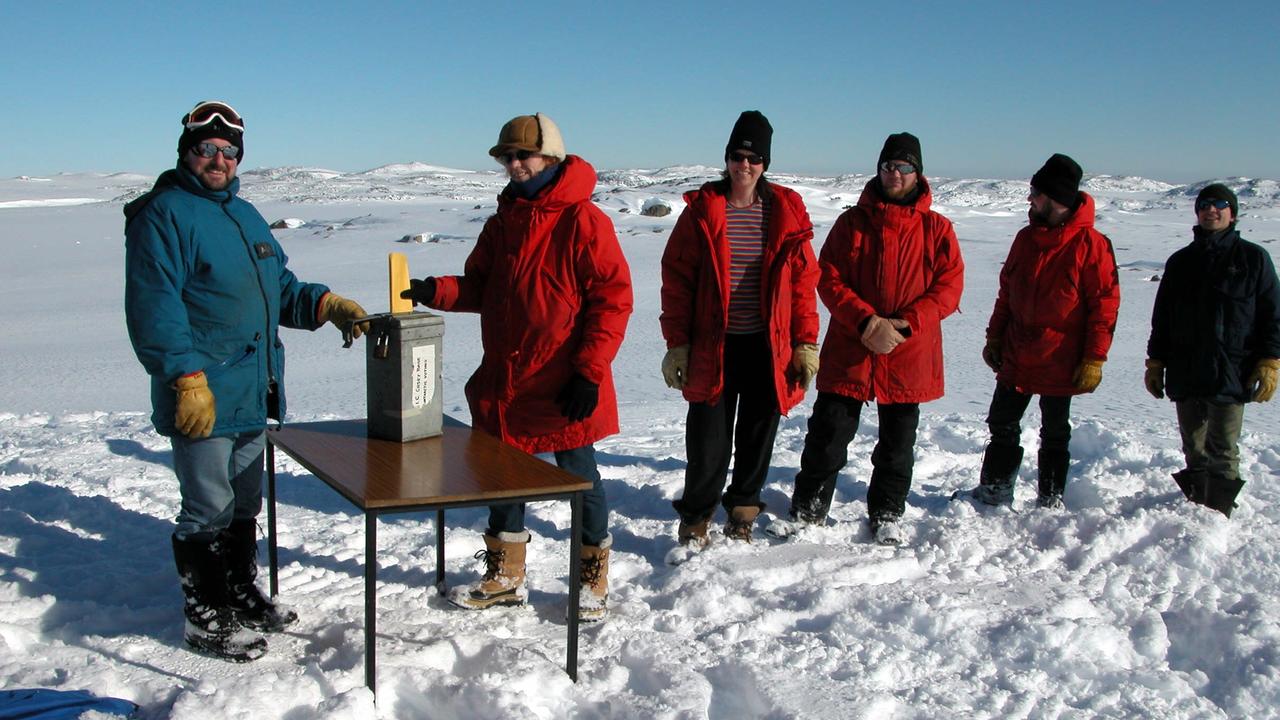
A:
424, 375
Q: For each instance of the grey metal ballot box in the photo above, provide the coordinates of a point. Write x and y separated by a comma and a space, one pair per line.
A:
403, 363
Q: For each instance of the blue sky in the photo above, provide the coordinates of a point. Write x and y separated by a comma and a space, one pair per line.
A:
1179, 91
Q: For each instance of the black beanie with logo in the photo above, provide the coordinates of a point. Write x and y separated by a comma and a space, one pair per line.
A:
751, 133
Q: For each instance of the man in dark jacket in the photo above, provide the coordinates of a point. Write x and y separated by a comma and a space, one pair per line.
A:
206, 289
1050, 330
890, 272
1215, 345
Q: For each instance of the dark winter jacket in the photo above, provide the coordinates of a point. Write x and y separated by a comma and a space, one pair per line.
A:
895, 261
206, 289
1058, 301
554, 294
1217, 313
696, 288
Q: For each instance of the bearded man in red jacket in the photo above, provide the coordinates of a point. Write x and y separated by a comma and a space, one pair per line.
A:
1049, 332
890, 271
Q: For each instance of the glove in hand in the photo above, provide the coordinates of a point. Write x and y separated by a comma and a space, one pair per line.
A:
578, 398
881, 336
338, 310
1263, 379
675, 367
1154, 378
1087, 376
991, 354
196, 411
804, 363
421, 292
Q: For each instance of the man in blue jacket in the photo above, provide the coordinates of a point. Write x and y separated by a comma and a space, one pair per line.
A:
1215, 345
206, 289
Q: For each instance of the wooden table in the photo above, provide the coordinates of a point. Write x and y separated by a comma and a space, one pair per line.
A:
461, 468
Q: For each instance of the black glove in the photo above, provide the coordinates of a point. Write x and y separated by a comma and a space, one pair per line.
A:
421, 292
578, 398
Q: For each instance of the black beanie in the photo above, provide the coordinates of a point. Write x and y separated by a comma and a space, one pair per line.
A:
752, 132
902, 146
1218, 191
215, 129
1059, 179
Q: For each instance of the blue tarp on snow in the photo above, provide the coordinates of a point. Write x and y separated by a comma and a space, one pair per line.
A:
59, 705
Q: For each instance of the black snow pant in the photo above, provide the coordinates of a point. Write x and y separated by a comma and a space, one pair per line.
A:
826, 451
742, 424
1005, 421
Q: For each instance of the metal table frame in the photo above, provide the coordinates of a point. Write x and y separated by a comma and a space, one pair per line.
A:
332, 476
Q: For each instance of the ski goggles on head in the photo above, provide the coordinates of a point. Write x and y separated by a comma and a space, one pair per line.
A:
208, 111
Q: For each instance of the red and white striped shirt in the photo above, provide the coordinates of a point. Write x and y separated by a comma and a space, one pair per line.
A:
745, 230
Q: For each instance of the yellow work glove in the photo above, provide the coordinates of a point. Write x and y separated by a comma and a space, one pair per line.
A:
991, 354
675, 367
1155, 378
338, 310
1088, 375
1263, 378
196, 412
881, 335
804, 362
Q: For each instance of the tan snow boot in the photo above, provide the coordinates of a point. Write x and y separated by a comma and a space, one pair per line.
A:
594, 567
741, 521
503, 580
694, 535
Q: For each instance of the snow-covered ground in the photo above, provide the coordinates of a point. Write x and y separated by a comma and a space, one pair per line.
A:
1129, 603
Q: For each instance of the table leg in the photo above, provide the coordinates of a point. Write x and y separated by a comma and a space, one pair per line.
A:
272, 560
575, 583
370, 600
440, 551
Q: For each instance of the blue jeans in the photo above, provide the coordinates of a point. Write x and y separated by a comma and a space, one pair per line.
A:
220, 479
595, 507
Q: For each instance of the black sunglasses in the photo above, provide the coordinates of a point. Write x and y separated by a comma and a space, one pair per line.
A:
507, 158
739, 156
1206, 204
208, 150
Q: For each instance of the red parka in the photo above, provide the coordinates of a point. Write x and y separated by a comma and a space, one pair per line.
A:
1058, 301
554, 293
895, 261
695, 289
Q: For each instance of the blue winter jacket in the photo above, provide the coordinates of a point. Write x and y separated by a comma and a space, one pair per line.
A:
206, 288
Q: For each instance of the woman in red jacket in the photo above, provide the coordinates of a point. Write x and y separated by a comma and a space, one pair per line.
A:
1050, 330
739, 316
554, 293
891, 271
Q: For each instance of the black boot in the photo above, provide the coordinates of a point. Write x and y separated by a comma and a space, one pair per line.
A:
1000, 465
211, 626
239, 546
1053, 477
1222, 494
1194, 484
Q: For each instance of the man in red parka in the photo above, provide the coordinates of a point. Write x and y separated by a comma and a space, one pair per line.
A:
1049, 332
890, 272
554, 294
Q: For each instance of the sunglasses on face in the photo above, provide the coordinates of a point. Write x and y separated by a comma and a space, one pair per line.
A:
888, 168
1203, 205
739, 156
1034, 193
207, 112
208, 150
507, 158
